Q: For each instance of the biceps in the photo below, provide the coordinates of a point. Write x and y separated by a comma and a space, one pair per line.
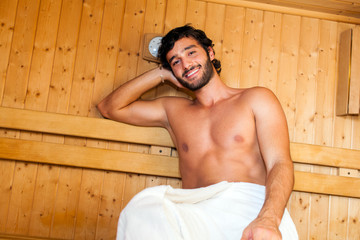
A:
273, 134
142, 113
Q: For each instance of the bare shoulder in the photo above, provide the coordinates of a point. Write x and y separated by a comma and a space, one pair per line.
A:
261, 92
174, 103
258, 96
171, 100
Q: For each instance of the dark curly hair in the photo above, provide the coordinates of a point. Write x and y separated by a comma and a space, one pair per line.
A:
168, 42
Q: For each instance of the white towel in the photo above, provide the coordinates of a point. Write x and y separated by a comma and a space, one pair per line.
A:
220, 211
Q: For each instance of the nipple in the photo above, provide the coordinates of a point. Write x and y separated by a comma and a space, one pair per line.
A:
185, 147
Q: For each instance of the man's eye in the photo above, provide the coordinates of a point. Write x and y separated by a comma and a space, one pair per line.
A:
191, 53
175, 62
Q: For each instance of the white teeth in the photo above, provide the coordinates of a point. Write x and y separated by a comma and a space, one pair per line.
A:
189, 75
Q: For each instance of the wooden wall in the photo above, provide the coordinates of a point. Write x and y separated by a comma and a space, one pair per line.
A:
64, 56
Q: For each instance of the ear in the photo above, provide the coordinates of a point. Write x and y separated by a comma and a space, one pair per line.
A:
211, 53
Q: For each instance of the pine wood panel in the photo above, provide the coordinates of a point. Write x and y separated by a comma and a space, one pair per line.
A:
20, 54
286, 82
145, 163
300, 9
339, 7
65, 54
7, 169
43, 55
250, 64
231, 50
270, 50
66, 203
7, 22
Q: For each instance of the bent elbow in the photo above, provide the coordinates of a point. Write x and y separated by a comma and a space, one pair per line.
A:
103, 110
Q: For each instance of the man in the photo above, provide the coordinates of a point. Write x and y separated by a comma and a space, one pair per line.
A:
233, 146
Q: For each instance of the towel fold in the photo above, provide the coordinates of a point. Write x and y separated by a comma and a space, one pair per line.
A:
220, 211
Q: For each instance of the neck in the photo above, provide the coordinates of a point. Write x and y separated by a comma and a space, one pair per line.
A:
213, 92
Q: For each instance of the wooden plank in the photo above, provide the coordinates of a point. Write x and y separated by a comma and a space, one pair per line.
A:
305, 103
196, 14
343, 86
286, 83
343, 124
62, 223
110, 205
354, 204
87, 157
64, 61
79, 126
354, 213
21, 53
36, 98
7, 169
173, 20
339, 206
323, 122
43, 55
20, 206
306, 81
4, 236
214, 26
250, 65
326, 82
337, 7
65, 207
326, 156
127, 59
287, 10
108, 49
354, 94
232, 45
327, 184
7, 22
86, 58
109, 130
46, 186
91, 187
149, 164
270, 50
300, 207
319, 210
338, 217
134, 183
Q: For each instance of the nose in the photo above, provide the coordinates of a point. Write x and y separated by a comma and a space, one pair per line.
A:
186, 64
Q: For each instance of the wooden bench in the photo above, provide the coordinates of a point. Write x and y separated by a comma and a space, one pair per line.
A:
87, 157
150, 164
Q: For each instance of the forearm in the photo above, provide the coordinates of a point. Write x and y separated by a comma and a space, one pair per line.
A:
130, 91
279, 184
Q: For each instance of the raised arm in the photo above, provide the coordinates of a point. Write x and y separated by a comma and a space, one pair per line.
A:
274, 144
123, 104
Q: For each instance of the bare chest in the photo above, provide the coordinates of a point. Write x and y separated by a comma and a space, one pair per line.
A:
223, 128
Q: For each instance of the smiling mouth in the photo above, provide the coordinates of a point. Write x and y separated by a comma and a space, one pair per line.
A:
191, 71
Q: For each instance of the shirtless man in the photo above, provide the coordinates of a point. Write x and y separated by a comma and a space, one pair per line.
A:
224, 134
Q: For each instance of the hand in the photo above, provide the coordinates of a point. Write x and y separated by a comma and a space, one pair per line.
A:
261, 229
169, 76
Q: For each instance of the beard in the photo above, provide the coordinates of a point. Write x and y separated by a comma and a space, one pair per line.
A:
205, 78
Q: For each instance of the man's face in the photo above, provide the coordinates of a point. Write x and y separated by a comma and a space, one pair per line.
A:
190, 63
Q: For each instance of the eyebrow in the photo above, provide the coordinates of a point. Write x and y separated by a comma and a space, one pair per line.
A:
186, 48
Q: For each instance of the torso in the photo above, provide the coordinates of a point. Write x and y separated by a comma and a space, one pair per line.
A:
217, 143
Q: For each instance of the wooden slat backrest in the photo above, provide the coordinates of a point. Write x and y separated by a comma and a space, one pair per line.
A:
32, 151
81, 127
59, 154
109, 130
